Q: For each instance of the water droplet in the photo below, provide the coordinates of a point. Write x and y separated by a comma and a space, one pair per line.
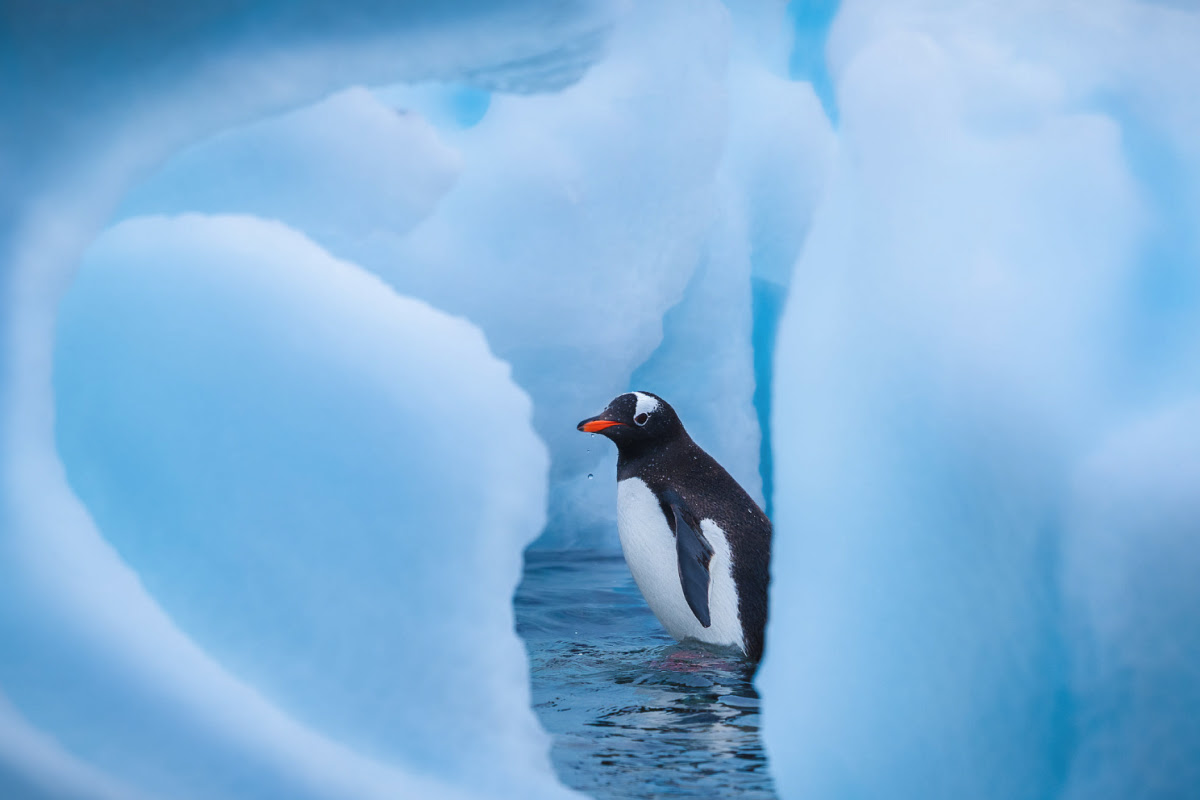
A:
589, 476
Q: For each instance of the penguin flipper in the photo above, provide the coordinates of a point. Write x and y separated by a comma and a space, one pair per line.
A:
694, 554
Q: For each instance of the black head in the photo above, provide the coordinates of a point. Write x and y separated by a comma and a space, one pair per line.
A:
636, 420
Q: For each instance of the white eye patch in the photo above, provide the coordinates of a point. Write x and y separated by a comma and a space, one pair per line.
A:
645, 404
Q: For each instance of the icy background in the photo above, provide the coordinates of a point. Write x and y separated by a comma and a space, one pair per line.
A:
987, 414
302, 301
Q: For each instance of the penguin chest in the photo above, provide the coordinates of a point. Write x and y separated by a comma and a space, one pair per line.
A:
650, 552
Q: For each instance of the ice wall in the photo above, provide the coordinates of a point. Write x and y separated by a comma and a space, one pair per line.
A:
327, 488
985, 412
979, 406
325, 485
602, 190
607, 236
156, 682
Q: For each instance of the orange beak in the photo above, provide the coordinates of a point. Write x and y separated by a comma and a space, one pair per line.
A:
597, 425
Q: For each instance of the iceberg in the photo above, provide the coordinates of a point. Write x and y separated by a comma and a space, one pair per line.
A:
115, 683
983, 414
301, 303
538, 200
288, 454
200, 364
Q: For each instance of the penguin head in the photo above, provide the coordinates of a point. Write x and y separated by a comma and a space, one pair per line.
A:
635, 419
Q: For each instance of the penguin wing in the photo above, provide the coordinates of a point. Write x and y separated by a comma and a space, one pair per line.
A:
694, 554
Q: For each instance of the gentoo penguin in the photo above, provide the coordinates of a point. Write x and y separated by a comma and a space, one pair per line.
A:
698, 546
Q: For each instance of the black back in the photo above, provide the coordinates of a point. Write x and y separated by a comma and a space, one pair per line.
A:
662, 454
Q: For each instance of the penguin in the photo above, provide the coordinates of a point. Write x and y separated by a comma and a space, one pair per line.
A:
698, 545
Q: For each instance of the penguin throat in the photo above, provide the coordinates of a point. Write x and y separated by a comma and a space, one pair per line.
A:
631, 456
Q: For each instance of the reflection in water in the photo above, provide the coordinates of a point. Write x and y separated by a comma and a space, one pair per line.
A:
633, 714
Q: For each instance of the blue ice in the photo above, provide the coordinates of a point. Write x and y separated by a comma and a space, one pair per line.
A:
301, 304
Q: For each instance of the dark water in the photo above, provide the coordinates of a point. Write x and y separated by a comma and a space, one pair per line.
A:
633, 714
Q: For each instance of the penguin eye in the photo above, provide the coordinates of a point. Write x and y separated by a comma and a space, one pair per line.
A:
641, 419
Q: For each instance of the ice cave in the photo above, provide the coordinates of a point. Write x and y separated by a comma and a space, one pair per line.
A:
302, 301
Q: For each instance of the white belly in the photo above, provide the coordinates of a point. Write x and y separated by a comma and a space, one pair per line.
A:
649, 548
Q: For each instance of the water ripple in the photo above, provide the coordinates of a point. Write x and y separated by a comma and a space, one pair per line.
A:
633, 713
